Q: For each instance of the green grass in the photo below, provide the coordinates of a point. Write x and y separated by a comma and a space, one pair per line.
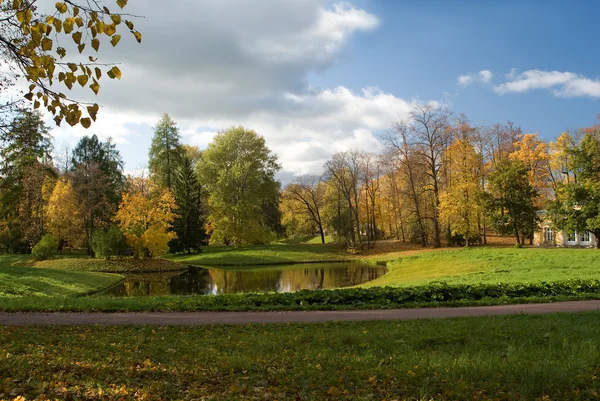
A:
435, 295
124, 266
21, 281
550, 357
69, 275
491, 265
223, 256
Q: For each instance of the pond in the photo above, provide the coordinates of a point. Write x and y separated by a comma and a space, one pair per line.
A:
289, 278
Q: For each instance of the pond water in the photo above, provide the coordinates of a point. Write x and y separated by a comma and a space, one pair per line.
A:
195, 280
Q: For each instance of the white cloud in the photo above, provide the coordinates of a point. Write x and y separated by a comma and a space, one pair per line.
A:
214, 64
563, 84
483, 76
308, 128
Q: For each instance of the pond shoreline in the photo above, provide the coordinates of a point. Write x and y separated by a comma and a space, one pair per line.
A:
207, 280
282, 263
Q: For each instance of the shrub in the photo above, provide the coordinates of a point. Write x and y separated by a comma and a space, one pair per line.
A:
45, 248
107, 243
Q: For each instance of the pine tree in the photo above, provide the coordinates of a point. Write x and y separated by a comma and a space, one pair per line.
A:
165, 153
189, 225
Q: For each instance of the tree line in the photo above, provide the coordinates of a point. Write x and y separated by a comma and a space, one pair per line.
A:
437, 179
440, 179
80, 198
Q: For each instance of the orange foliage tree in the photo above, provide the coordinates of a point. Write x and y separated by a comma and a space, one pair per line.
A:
146, 215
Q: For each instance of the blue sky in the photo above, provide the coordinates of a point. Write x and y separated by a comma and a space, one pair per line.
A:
318, 76
421, 47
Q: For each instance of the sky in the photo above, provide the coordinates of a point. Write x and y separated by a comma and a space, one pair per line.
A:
315, 77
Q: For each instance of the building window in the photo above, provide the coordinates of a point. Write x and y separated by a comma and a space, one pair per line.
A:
548, 234
585, 237
572, 237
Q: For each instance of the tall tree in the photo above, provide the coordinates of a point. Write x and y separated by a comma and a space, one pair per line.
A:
238, 170
406, 159
188, 194
306, 196
577, 203
461, 202
343, 170
25, 157
429, 127
512, 200
64, 218
166, 152
98, 182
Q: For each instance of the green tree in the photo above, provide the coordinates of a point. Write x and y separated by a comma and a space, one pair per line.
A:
25, 156
166, 152
238, 171
576, 206
109, 242
188, 198
511, 200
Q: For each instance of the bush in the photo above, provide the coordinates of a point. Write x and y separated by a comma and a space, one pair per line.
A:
107, 243
45, 248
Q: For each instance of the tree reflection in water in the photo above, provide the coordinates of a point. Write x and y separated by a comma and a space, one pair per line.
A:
291, 278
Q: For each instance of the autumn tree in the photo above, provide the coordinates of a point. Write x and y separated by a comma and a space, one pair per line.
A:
165, 153
370, 174
64, 218
406, 159
428, 128
238, 170
305, 197
145, 215
343, 171
36, 41
97, 180
577, 203
534, 153
461, 202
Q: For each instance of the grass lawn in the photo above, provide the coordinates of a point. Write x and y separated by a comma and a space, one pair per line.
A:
127, 265
68, 275
223, 256
550, 357
21, 281
491, 265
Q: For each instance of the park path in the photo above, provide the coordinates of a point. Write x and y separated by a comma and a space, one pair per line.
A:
206, 318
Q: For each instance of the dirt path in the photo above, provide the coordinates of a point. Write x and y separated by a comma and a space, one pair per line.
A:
203, 318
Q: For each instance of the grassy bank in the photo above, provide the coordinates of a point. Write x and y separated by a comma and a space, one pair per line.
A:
21, 281
491, 265
223, 256
122, 266
68, 275
550, 357
351, 298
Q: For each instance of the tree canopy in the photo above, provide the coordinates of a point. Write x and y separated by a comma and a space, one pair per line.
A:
238, 170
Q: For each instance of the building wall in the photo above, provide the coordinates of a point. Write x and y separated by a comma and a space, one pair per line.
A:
560, 238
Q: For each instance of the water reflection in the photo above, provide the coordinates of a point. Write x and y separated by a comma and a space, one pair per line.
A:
260, 279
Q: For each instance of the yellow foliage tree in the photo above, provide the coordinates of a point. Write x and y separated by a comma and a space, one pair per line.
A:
534, 153
461, 203
64, 220
145, 215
